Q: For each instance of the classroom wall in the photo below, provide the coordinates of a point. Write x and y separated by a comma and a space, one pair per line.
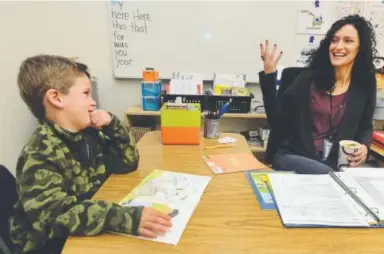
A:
69, 28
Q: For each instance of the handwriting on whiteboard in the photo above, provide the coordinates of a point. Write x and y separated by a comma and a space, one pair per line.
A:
124, 25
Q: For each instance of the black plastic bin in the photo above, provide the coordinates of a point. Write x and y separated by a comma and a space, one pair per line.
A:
239, 104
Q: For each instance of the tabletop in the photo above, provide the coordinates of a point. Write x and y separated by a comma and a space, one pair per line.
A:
228, 218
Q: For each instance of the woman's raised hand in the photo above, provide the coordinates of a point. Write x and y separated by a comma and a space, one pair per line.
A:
269, 57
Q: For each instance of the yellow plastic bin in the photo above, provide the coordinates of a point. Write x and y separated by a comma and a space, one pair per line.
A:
180, 125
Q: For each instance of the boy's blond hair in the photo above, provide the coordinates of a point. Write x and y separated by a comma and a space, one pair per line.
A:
40, 73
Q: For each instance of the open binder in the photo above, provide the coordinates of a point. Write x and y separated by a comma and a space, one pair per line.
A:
354, 198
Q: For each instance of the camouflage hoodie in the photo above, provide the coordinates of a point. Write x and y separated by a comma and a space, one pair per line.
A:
58, 172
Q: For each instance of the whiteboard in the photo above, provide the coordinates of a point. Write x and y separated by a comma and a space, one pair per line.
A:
203, 37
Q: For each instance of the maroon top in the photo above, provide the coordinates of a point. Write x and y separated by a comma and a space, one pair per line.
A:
320, 109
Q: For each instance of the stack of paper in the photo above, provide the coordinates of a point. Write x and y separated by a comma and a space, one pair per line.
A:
184, 83
223, 84
354, 198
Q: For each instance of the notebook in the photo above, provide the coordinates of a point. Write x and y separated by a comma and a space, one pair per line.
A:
261, 187
176, 194
378, 137
354, 198
230, 163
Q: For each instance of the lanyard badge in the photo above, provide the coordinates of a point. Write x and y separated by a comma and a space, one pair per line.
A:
327, 148
328, 143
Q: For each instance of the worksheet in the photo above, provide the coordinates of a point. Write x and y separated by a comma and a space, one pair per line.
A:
314, 201
368, 185
173, 193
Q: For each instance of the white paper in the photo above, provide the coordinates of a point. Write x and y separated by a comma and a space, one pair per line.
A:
227, 140
346, 8
358, 170
177, 191
186, 87
375, 14
368, 185
313, 200
233, 80
187, 75
314, 17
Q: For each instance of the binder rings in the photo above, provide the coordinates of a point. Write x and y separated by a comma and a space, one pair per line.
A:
354, 198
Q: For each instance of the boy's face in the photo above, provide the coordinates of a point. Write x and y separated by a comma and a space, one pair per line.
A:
78, 103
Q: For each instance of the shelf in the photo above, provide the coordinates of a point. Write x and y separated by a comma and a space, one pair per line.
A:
138, 111
245, 115
256, 148
378, 150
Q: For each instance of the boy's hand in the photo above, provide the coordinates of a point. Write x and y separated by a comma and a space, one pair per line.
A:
153, 222
100, 118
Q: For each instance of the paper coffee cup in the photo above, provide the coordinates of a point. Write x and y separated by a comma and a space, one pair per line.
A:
346, 149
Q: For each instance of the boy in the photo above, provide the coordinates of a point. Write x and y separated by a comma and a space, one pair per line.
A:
67, 159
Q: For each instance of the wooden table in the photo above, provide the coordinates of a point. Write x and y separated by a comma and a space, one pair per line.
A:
227, 219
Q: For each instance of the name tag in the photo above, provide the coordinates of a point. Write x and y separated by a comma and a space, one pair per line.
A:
327, 148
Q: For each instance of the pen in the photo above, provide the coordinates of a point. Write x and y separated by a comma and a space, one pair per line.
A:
218, 146
223, 109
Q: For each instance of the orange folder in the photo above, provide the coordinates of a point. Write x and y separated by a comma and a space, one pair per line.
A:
230, 163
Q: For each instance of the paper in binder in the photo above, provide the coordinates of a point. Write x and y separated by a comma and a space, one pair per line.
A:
354, 198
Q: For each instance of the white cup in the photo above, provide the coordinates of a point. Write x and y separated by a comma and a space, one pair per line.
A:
346, 149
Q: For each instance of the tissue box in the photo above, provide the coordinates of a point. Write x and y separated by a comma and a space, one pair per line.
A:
180, 125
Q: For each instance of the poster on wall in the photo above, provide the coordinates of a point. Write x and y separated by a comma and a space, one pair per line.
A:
375, 14
304, 44
314, 17
345, 8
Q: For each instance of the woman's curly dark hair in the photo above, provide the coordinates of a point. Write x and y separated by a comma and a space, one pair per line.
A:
363, 67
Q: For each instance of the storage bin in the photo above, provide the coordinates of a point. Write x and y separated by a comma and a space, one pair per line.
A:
150, 88
181, 125
185, 99
151, 103
239, 104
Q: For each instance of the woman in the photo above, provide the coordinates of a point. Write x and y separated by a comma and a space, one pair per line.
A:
333, 99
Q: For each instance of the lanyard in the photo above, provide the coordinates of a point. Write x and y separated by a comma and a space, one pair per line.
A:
330, 117
333, 120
